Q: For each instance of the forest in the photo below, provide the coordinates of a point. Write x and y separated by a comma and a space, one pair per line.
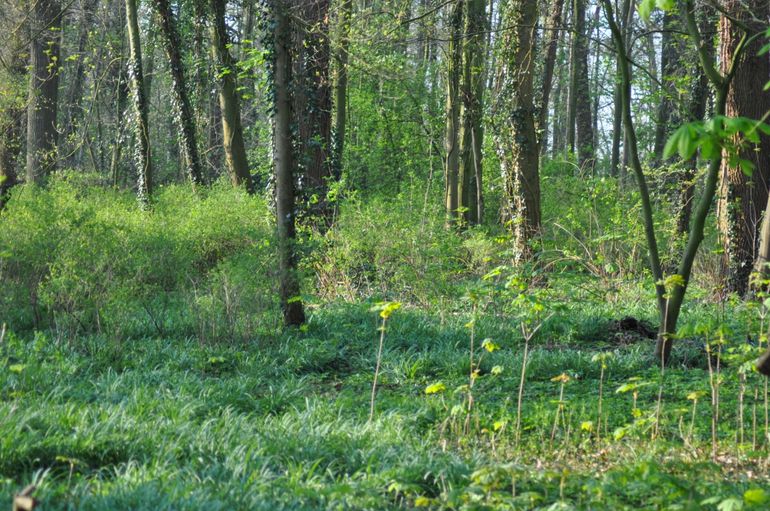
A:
385, 254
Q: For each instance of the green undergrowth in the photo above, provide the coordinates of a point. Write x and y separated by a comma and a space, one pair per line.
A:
280, 422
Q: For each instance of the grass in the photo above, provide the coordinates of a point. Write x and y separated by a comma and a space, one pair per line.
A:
281, 422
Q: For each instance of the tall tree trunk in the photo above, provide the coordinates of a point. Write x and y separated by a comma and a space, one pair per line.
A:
229, 103
471, 134
182, 110
625, 26
581, 93
141, 127
45, 22
553, 29
516, 139
743, 198
313, 105
452, 126
285, 165
341, 85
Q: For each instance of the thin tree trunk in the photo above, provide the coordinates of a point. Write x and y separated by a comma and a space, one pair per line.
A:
583, 124
42, 106
136, 83
471, 134
452, 126
229, 103
182, 111
341, 85
553, 26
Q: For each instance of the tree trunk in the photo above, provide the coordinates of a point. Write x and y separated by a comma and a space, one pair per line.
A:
471, 134
285, 166
136, 83
341, 86
624, 24
182, 111
516, 139
743, 198
581, 93
229, 102
452, 122
313, 106
45, 21
553, 29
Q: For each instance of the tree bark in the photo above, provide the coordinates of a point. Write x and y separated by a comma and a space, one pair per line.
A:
136, 83
516, 139
341, 86
45, 41
229, 102
471, 134
742, 197
581, 93
182, 110
312, 100
452, 111
285, 165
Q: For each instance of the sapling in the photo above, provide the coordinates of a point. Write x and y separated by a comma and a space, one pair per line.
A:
385, 309
602, 359
562, 379
693, 396
528, 335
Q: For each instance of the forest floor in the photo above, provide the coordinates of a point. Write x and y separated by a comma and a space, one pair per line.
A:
281, 422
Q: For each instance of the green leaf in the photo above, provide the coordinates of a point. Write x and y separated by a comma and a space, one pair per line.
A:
666, 5
756, 496
730, 504
645, 9
16, 368
435, 388
489, 345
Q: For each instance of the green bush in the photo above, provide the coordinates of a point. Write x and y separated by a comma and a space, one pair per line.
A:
84, 259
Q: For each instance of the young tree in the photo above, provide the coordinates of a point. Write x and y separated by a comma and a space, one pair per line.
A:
516, 139
45, 39
229, 102
670, 300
